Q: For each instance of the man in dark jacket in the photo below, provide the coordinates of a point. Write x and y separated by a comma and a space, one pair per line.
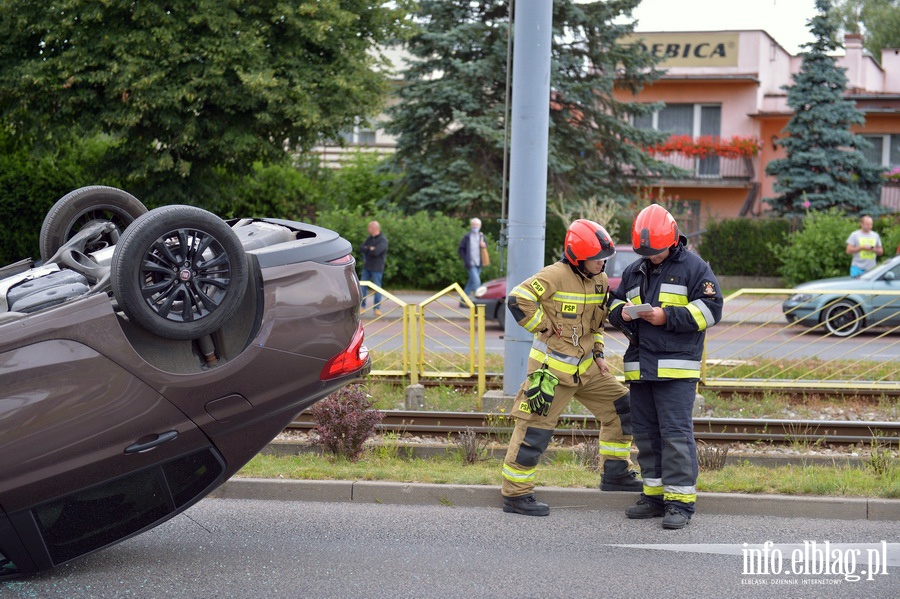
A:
664, 305
374, 251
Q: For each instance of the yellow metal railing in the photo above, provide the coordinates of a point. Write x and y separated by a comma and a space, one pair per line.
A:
441, 337
849, 341
385, 340
806, 339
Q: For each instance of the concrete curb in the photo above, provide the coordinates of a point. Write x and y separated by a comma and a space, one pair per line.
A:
729, 504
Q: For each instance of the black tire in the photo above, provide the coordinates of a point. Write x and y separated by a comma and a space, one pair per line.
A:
179, 271
843, 318
501, 315
86, 206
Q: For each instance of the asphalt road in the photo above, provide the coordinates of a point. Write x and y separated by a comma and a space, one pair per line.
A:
252, 549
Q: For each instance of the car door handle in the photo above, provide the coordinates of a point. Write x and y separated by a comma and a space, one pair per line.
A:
159, 440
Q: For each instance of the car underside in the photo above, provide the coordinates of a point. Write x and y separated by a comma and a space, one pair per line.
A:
144, 362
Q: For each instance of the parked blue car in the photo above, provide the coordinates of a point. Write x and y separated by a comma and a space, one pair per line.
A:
837, 306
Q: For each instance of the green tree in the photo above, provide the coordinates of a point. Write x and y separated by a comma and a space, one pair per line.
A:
188, 87
450, 120
877, 20
824, 166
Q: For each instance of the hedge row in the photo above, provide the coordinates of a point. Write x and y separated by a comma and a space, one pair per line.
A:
812, 248
744, 246
30, 184
422, 248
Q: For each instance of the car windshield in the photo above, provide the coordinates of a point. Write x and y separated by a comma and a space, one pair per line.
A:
880, 270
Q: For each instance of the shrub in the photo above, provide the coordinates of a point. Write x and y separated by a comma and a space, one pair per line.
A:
344, 421
817, 249
712, 457
422, 251
363, 181
743, 246
270, 190
472, 446
32, 179
889, 227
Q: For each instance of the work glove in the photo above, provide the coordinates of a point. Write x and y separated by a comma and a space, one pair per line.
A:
540, 390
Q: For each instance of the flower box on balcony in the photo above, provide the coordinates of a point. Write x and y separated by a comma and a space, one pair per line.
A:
708, 145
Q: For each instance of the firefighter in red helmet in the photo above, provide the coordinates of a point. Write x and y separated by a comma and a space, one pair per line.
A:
564, 306
662, 361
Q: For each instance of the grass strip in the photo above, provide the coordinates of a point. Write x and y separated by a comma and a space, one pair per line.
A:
838, 480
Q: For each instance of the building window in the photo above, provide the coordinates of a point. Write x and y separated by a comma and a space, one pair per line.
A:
696, 120
366, 137
359, 137
885, 150
687, 215
684, 119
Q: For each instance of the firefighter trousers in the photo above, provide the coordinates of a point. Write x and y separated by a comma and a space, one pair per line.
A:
664, 435
605, 397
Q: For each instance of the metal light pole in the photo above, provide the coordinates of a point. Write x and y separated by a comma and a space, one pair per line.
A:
529, 134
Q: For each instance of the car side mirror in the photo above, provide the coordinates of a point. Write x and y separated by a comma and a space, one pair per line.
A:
889, 276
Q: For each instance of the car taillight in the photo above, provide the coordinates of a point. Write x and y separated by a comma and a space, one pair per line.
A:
348, 361
342, 260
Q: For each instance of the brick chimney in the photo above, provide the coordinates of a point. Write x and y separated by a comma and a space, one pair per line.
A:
853, 61
890, 62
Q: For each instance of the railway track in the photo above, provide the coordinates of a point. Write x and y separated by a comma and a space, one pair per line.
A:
575, 429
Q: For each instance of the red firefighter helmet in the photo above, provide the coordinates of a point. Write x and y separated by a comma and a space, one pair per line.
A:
586, 240
654, 230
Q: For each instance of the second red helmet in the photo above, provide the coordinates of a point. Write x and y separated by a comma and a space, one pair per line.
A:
654, 230
586, 240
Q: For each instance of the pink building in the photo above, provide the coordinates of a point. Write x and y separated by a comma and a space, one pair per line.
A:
729, 83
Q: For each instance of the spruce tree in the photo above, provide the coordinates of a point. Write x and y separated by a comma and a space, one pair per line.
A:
824, 166
449, 121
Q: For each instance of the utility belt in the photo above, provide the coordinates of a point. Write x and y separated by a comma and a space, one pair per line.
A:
572, 365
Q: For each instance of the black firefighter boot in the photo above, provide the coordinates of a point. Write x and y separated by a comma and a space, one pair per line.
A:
617, 477
526, 505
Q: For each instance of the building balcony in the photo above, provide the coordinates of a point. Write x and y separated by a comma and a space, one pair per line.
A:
890, 196
712, 168
709, 159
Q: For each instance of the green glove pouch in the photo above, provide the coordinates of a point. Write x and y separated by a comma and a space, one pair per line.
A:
540, 389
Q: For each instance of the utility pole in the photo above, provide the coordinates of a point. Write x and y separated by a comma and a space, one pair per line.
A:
529, 133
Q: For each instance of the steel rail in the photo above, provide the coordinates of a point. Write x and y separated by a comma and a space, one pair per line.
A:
577, 428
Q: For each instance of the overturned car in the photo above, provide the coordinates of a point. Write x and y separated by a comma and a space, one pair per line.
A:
149, 356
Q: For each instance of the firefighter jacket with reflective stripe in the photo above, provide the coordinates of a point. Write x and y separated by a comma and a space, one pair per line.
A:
685, 286
562, 300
